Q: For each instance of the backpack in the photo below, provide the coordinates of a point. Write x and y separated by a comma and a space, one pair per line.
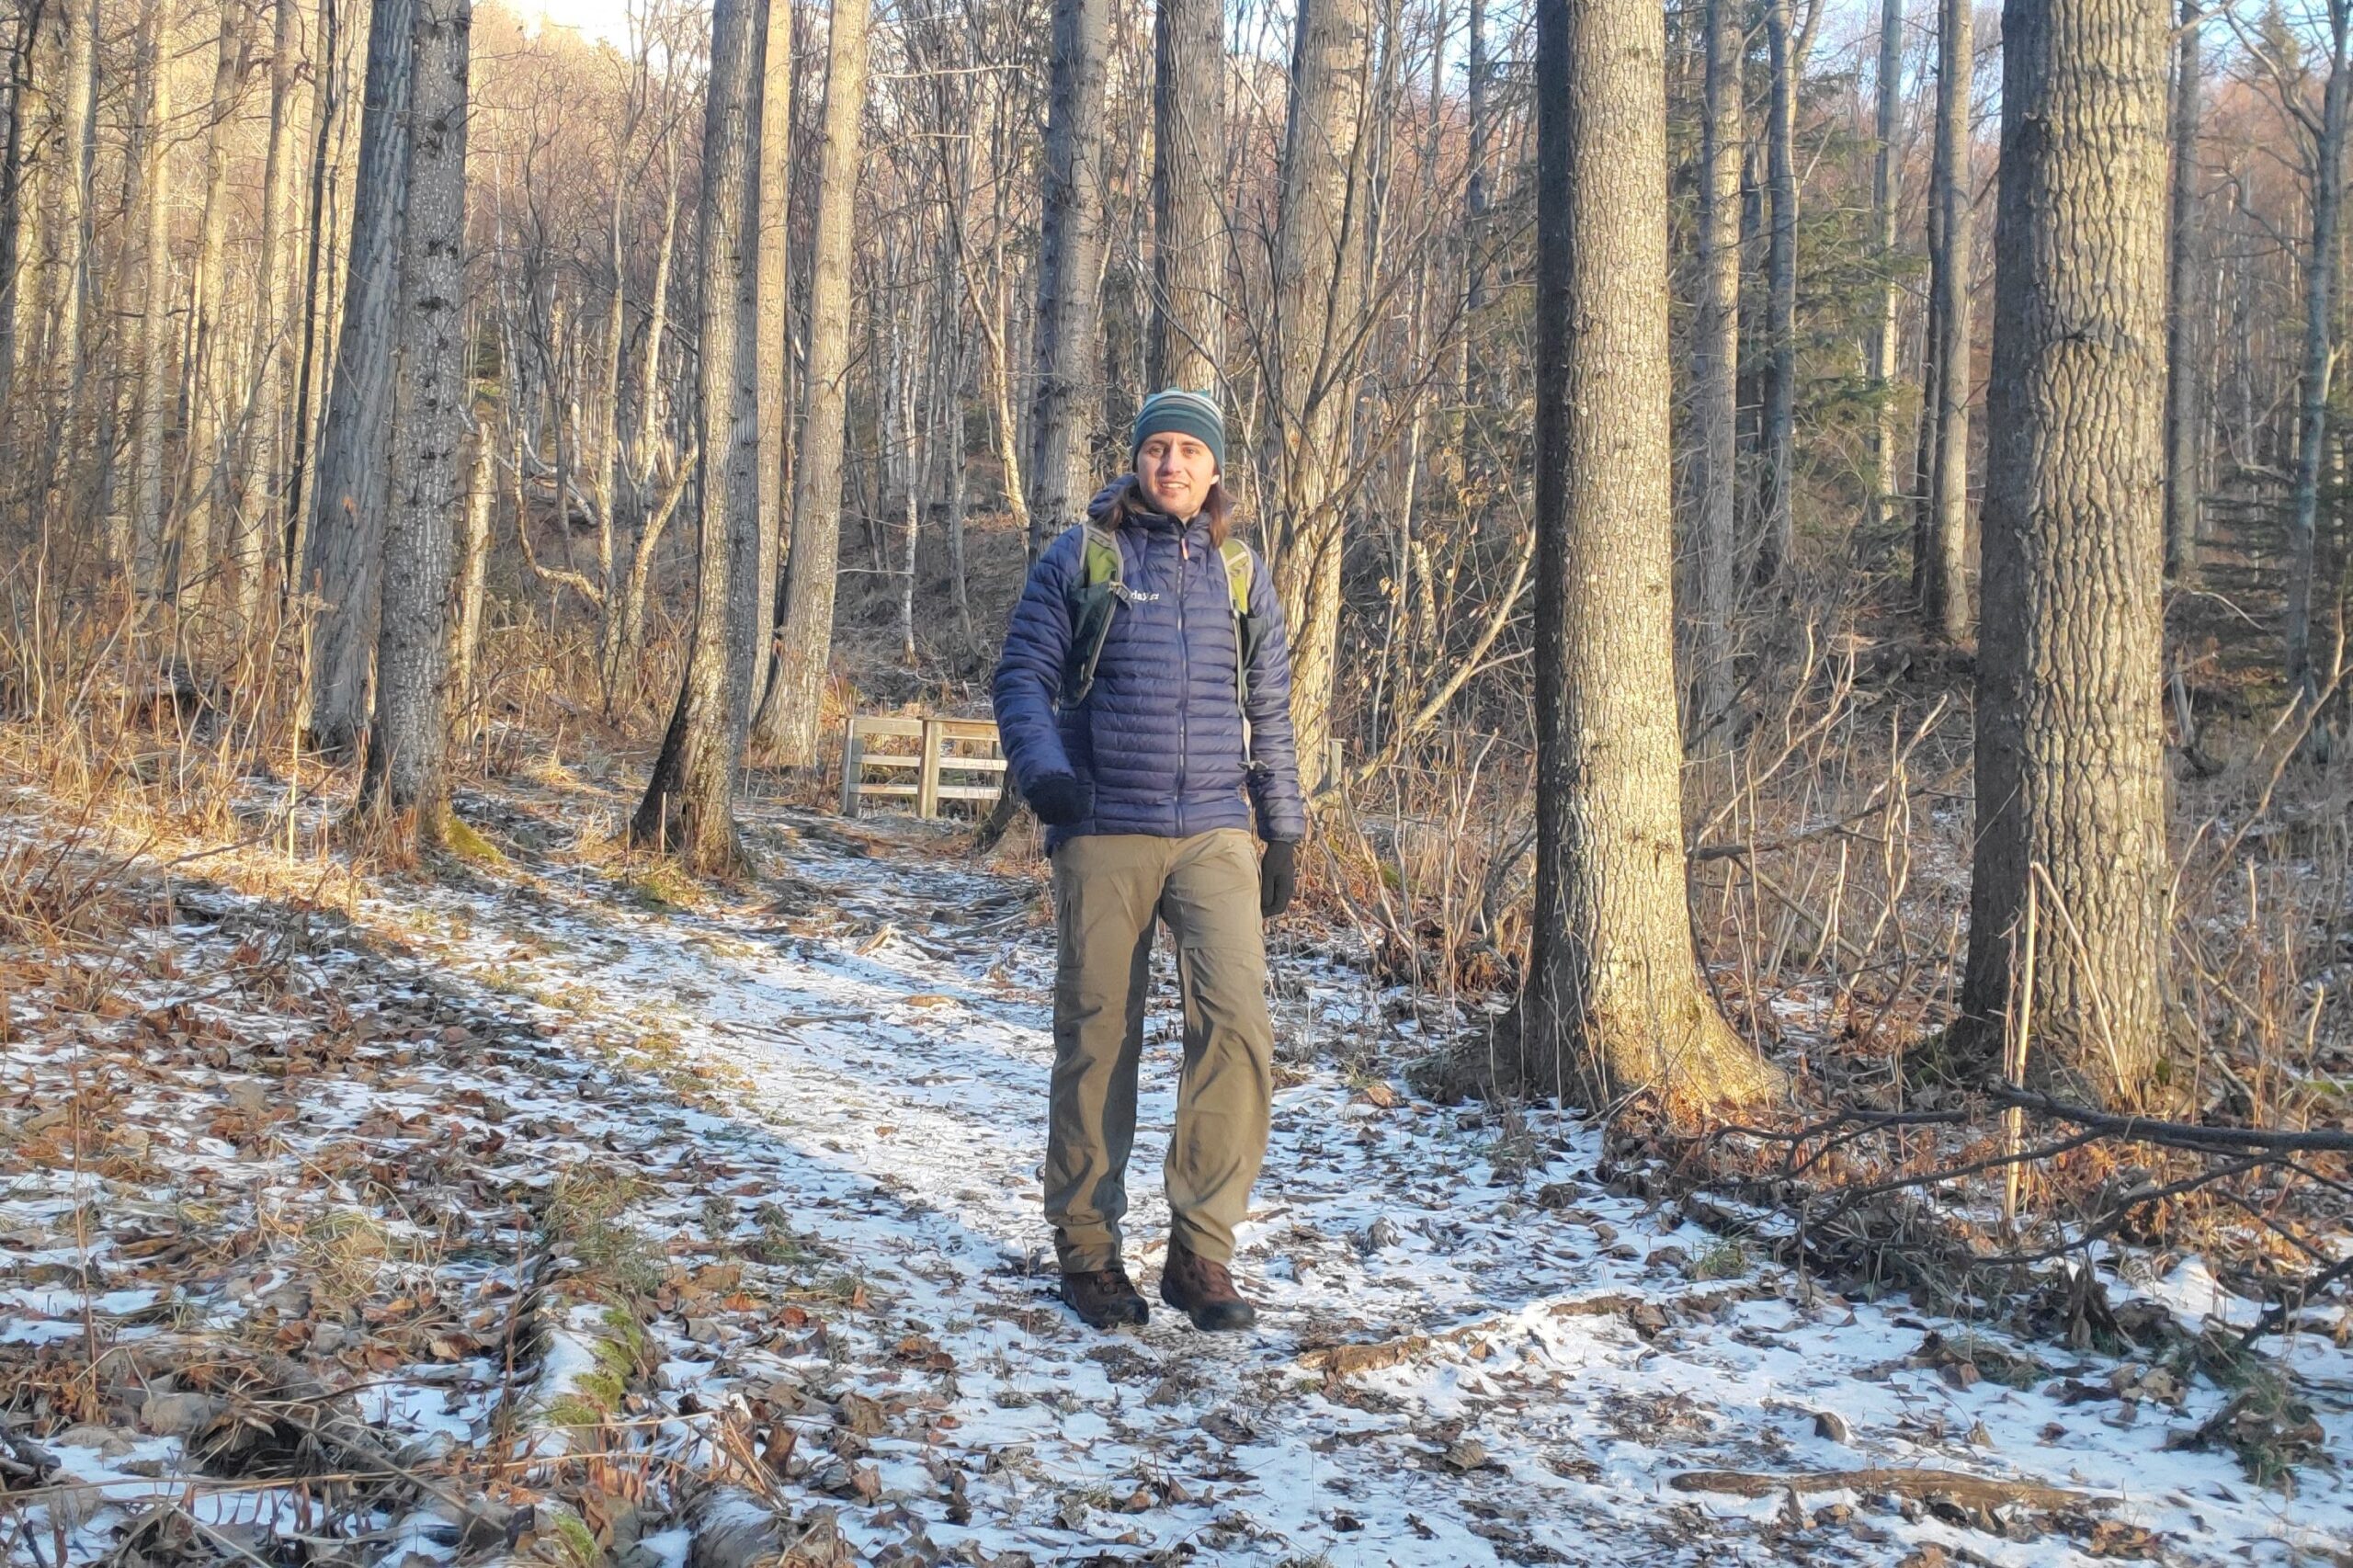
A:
1099, 588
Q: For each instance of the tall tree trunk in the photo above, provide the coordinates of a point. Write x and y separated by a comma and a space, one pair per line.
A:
1943, 573
22, 43
151, 481
1187, 342
1614, 1000
2320, 269
805, 644
1777, 538
1320, 239
350, 493
2071, 789
1715, 372
76, 236
207, 466
2185, 405
771, 337
326, 94
473, 579
264, 406
405, 770
1070, 261
689, 802
1884, 461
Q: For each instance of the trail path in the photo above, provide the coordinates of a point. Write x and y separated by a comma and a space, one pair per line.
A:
827, 1103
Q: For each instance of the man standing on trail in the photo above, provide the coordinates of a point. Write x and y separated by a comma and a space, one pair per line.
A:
1143, 698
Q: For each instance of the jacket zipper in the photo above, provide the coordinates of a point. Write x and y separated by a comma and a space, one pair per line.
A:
1184, 690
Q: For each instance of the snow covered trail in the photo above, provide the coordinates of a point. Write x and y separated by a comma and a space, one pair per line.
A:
1526, 1360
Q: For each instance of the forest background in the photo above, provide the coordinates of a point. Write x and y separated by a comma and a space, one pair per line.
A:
400, 399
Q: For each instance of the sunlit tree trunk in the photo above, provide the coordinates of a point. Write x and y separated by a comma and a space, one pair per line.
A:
2320, 272
1187, 347
1943, 571
2071, 785
151, 481
690, 803
1320, 239
350, 493
1614, 1000
2185, 406
805, 642
1070, 261
264, 407
407, 778
1776, 522
1885, 464
1715, 372
210, 424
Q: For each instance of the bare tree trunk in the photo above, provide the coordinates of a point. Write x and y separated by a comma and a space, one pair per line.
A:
1070, 260
2185, 403
350, 491
806, 641
690, 803
264, 406
1187, 347
325, 95
150, 498
1943, 573
2320, 352
207, 488
473, 575
75, 234
1614, 1000
1715, 372
2071, 787
771, 344
13, 206
1319, 239
1777, 538
406, 773
1884, 461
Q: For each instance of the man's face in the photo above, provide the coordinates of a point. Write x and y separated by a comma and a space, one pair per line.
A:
1175, 471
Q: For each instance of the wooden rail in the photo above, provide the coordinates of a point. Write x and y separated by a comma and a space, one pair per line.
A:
926, 760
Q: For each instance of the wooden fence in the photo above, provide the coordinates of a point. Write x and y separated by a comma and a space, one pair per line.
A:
925, 760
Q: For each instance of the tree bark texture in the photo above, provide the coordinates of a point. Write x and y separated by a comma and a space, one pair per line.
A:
805, 644
151, 482
772, 327
2070, 785
264, 406
2184, 403
2321, 264
1614, 1000
1319, 237
1070, 263
1943, 571
350, 490
405, 770
1715, 372
211, 423
1885, 464
689, 802
473, 579
1187, 341
1777, 521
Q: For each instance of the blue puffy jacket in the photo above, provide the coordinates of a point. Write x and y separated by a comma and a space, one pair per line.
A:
1159, 737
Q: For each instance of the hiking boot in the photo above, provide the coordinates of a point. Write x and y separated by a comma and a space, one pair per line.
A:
1204, 1292
1104, 1298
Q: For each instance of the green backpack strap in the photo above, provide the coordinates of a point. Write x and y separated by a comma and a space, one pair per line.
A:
1092, 599
1240, 565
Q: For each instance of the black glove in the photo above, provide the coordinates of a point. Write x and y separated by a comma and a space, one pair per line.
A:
1059, 801
1277, 875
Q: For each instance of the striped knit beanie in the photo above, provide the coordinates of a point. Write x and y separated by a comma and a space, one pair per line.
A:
1189, 413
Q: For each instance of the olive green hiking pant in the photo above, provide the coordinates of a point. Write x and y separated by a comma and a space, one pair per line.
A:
1109, 891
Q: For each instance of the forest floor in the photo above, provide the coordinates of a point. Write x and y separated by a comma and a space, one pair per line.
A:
545, 1209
